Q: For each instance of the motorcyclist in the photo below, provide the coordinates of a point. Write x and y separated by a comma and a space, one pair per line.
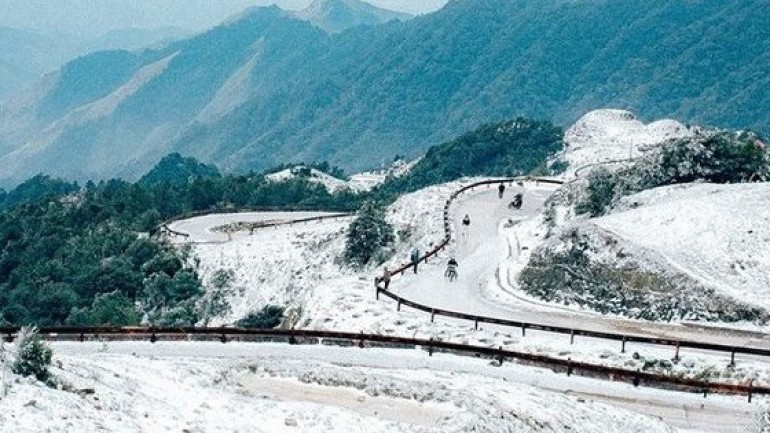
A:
451, 269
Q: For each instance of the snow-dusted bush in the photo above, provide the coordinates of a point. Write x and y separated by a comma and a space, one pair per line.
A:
33, 356
269, 316
717, 157
573, 275
367, 236
599, 193
214, 302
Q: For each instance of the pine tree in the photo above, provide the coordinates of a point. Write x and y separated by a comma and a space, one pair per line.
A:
368, 234
33, 356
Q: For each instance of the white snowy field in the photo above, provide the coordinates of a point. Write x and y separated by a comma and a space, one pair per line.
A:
358, 182
242, 387
719, 235
331, 183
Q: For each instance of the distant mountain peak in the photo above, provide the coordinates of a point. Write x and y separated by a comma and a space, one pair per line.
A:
335, 16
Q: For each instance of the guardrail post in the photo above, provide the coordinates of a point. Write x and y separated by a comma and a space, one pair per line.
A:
361, 341
637, 379
82, 337
476, 325
432, 315
398, 306
569, 367
523, 330
623, 345
571, 336
500, 356
676, 355
750, 385
153, 338
705, 392
732, 358
223, 338
430, 347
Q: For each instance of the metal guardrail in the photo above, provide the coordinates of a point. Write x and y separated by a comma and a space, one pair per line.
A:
623, 338
303, 336
238, 209
168, 229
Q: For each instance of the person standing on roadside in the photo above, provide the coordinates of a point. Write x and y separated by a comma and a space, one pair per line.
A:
415, 257
466, 225
385, 278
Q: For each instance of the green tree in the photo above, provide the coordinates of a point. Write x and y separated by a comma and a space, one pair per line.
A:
269, 316
114, 308
599, 193
33, 356
368, 234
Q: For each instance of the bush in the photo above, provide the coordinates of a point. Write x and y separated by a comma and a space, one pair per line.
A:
368, 234
113, 308
572, 276
717, 157
33, 356
269, 316
599, 193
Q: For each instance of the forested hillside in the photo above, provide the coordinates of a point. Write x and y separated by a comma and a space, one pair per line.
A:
510, 148
82, 255
267, 88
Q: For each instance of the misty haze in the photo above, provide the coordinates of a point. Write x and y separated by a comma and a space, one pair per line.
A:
384, 216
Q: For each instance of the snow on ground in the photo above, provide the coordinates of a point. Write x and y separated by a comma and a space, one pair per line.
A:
612, 135
207, 228
358, 182
242, 387
299, 267
717, 234
331, 183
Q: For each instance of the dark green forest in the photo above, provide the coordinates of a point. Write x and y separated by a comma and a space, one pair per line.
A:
91, 254
508, 148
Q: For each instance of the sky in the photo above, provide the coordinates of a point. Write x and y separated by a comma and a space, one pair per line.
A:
96, 17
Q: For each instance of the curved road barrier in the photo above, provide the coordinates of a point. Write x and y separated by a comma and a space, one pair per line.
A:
302, 336
572, 332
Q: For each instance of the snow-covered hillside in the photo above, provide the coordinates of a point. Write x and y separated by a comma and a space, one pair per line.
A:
358, 182
716, 234
707, 242
330, 182
608, 135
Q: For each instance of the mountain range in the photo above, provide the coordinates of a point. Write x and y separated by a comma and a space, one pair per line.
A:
30, 54
269, 86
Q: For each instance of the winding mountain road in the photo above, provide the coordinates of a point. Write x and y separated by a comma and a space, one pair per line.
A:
484, 287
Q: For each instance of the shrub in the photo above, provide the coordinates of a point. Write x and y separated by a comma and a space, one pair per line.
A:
718, 157
573, 277
113, 308
368, 234
33, 356
269, 316
599, 193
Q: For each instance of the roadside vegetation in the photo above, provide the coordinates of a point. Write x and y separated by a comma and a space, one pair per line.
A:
90, 255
